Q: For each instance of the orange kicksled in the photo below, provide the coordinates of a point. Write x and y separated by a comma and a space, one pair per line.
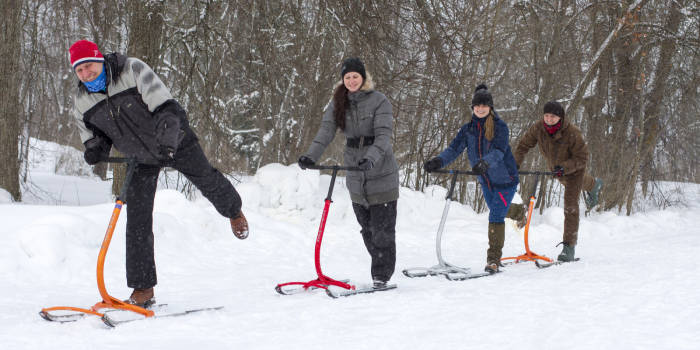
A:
108, 302
529, 255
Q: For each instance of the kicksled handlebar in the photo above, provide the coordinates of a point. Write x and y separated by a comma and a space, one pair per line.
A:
438, 171
463, 172
117, 160
460, 172
333, 167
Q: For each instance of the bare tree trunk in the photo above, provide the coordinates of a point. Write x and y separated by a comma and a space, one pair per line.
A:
145, 43
10, 109
577, 94
650, 127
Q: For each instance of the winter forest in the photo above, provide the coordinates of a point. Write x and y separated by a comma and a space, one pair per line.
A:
255, 76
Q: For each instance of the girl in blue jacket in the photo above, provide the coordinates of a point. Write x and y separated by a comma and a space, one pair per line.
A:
486, 139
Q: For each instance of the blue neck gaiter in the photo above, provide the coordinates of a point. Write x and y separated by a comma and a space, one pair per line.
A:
98, 84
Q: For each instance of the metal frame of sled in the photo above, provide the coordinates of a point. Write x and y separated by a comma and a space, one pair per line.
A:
530, 255
322, 281
107, 302
443, 268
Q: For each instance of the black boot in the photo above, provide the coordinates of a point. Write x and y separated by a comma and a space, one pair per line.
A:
378, 283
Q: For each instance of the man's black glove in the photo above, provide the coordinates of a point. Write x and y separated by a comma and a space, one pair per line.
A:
96, 150
93, 155
365, 164
433, 164
166, 152
558, 171
169, 117
481, 167
305, 162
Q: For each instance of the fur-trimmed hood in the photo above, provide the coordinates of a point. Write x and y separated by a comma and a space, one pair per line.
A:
368, 85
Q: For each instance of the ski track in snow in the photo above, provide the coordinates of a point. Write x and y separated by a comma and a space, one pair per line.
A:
634, 288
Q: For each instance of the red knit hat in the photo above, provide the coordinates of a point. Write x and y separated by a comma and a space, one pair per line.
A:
84, 51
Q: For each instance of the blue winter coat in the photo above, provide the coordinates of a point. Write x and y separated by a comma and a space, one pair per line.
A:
502, 172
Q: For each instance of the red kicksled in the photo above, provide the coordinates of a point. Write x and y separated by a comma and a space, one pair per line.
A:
322, 281
108, 302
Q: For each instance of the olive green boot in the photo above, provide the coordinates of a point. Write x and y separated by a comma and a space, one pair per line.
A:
591, 197
497, 236
567, 253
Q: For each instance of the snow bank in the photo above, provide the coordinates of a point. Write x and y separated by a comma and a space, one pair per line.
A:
5, 197
633, 277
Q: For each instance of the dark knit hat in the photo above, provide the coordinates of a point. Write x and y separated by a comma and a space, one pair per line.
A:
353, 64
84, 51
482, 96
555, 108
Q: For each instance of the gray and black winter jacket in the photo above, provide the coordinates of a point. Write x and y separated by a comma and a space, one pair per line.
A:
137, 114
369, 115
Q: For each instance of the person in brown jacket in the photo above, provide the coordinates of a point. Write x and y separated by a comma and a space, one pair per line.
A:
566, 153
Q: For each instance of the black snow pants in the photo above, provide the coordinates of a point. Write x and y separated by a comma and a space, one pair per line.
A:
191, 162
379, 234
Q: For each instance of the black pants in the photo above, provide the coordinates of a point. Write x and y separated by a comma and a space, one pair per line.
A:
379, 234
191, 162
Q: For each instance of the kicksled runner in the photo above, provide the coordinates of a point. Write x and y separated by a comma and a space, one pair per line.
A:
113, 311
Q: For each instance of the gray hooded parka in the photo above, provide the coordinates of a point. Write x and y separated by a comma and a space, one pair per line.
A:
369, 115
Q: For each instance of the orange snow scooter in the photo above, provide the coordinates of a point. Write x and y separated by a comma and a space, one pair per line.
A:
529, 255
108, 302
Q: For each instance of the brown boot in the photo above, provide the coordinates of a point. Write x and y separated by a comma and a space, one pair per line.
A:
142, 297
239, 226
497, 235
517, 213
491, 268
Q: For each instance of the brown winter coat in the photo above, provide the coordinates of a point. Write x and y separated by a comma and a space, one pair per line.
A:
567, 149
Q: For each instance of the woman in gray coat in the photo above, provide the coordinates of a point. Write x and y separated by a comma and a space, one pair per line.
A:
365, 118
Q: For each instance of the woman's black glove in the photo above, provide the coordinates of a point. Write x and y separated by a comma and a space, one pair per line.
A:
433, 164
305, 162
365, 164
167, 153
481, 167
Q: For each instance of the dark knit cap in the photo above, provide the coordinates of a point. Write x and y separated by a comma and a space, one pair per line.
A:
353, 64
482, 96
554, 107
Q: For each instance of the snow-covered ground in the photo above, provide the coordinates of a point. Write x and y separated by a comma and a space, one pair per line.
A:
636, 286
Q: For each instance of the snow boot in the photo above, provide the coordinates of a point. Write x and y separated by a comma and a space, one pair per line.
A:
491, 268
592, 197
567, 253
142, 298
517, 213
497, 235
378, 284
239, 226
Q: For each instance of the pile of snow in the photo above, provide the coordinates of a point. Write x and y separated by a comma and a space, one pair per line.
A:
5, 197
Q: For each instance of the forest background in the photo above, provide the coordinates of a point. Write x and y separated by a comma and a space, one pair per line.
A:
255, 77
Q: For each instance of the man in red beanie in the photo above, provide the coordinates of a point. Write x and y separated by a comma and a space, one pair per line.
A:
562, 145
121, 102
